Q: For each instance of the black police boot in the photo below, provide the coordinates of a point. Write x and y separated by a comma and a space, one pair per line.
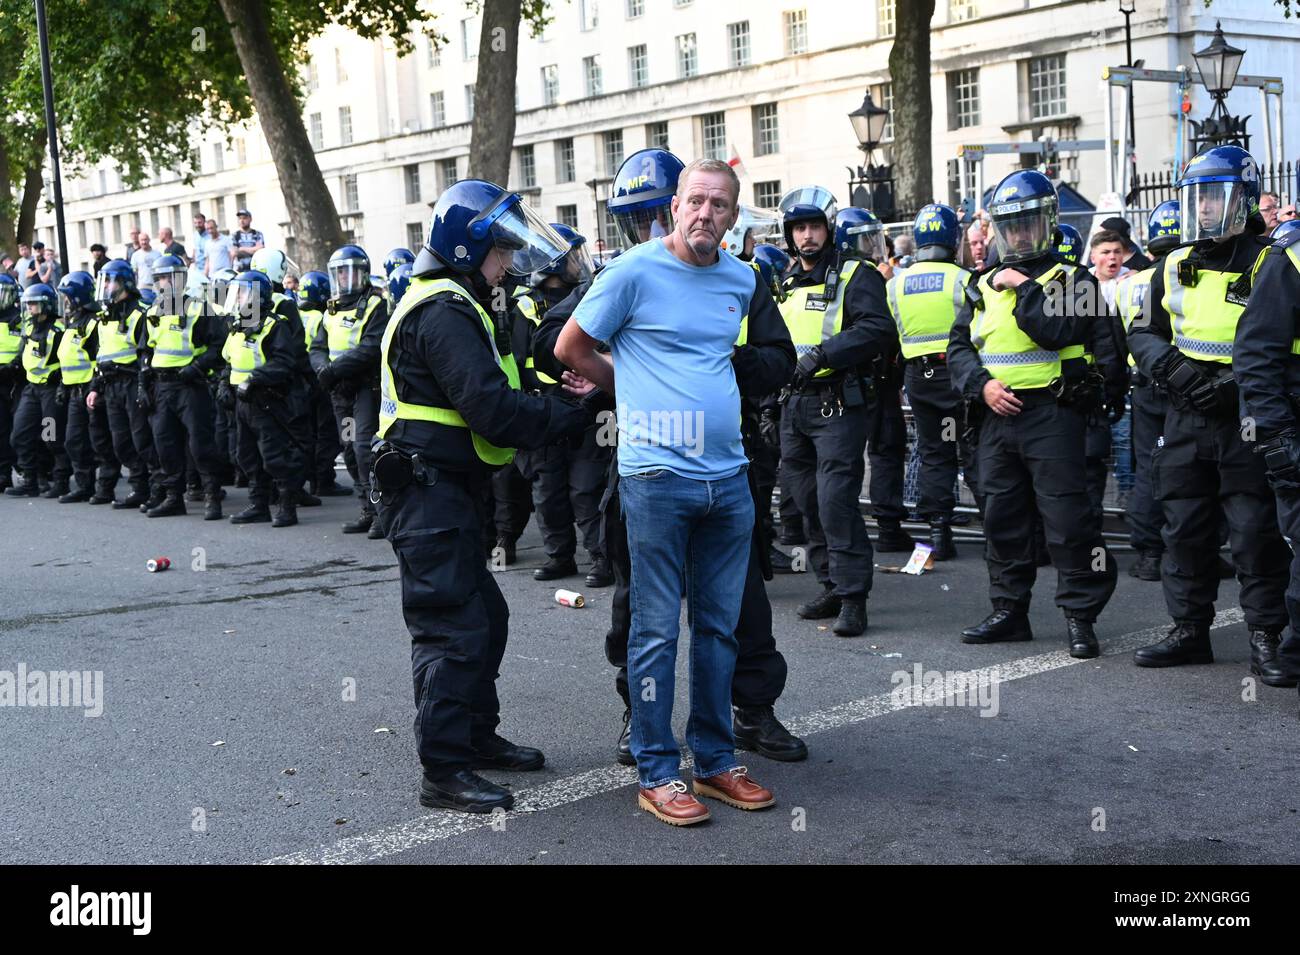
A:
79, 496
852, 621
1082, 639
212, 496
1264, 661
600, 574
556, 568
782, 563
137, 497
6, 480
1186, 643
361, 525
892, 540
465, 790
27, 487
330, 489
257, 512
821, 607
57, 489
194, 493
286, 512
496, 752
156, 496
623, 749
1001, 626
376, 532
758, 730
792, 534
1146, 567
172, 505
941, 541
103, 493
306, 499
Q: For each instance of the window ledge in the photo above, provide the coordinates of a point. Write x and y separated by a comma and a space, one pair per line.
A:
1061, 120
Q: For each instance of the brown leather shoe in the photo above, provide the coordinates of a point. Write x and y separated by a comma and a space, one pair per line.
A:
673, 803
735, 788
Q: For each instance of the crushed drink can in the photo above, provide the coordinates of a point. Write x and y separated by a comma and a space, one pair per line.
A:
157, 564
570, 598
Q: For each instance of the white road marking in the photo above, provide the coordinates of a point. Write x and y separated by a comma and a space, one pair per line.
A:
434, 826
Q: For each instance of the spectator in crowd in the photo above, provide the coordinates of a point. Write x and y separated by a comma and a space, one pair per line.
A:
290, 283
132, 243
98, 257
219, 249
1269, 208
199, 243
7, 265
169, 246
246, 240
1286, 213
1106, 252
48, 269
142, 261
30, 276
23, 263
978, 244
1133, 257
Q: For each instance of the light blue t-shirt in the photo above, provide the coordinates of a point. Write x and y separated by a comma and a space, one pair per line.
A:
671, 328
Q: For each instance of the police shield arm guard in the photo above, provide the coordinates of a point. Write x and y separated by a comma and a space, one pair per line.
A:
868, 326
362, 361
765, 360
1265, 356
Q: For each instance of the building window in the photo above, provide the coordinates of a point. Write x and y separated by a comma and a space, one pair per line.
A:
447, 174
469, 31
351, 200
738, 44
687, 61
527, 168
588, 16
612, 148
317, 128
218, 157
638, 66
435, 54
411, 175
345, 125
313, 76
414, 235
610, 236
656, 135
241, 201
713, 134
103, 179
796, 31
766, 133
566, 169
963, 98
681, 3
241, 152
634, 9
767, 195
154, 222
885, 17
550, 84
959, 10
339, 70
437, 110
1047, 86
591, 70
883, 96
469, 102
567, 215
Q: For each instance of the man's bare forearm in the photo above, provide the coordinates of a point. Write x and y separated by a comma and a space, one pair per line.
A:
576, 349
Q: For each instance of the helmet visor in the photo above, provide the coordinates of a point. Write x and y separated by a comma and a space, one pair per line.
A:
818, 196
530, 240
1213, 210
244, 302
866, 242
576, 267
644, 224
1024, 230
8, 295
348, 277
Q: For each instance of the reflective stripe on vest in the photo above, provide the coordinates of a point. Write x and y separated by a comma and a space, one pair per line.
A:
1204, 322
393, 409
809, 325
115, 346
74, 364
311, 319
343, 337
40, 367
925, 300
245, 352
1294, 256
173, 346
1131, 298
11, 341
1011, 356
528, 308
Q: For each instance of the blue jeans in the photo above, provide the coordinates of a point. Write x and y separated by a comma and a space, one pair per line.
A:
692, 536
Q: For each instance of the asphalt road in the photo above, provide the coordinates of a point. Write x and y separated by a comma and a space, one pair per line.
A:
260, 708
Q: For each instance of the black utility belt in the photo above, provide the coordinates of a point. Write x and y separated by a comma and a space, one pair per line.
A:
394, 470
115, 370
1032, 397
169, 374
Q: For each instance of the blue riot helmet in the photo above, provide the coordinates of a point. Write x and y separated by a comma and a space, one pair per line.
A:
642, 197
314, 290
248, 299
936, 232
40, 302
399, 281
221, 280
772, 264
396, 257
1284, 229
474, 217
1164, 227
1218, 192
115, 281
77, 289
859, 235
9, 292
349, 273
169, 274
1069, 244
148, 296
1023, 212
807, 204
575, 267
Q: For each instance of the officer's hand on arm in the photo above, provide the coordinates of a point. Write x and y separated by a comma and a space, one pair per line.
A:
1009, 278
1001, 399
91, 398
575, 384
807, 365
576, 349
327, 377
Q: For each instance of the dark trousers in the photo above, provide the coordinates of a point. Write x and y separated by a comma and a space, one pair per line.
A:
509, 502
129, 425
267, 451
1288, 512
567, 485
358, 420
1097, 445
225, 431
78, 442
1037, 457
324, 444
457, 618
40, 423
1204, 463
938, 411
183, 421
822, 467
887, 454
1146, 518
8, 404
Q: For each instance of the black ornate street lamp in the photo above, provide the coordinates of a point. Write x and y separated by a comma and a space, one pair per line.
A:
1218, 64
869, 121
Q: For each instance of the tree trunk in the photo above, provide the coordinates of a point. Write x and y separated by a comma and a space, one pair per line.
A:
33, 185
493, 133
8, 238
909, 71
312, 213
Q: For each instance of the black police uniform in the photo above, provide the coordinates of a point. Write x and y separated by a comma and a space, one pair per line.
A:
301, 418
117, 384
40, 404
887, 450
86, 455
323, 444
440, 355
1266, 363
1203, 462
11, 386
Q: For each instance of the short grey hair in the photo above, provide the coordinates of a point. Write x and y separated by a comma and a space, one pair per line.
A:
710, 165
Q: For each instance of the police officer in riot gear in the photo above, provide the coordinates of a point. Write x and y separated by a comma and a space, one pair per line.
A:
451, 411
345, 355
839, 322
77, 351
1019, 345
399, 280
1266, 363
924, 301
11, 373
1206, 459
312, 297
43, 400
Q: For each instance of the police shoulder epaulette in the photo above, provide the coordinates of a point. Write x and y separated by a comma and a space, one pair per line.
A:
1286, 242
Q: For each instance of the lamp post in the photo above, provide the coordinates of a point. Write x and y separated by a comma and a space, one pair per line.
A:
869, 126
594, 185
1218, 64
1128, 8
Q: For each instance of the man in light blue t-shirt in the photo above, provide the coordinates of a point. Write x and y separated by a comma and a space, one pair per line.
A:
672, 311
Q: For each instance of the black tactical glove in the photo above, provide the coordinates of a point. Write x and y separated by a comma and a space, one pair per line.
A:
191, 373
1188, 385
769, 427
327, 377
809, 362
143, 397
244, 390
1282, 458
61, 395
226, 396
